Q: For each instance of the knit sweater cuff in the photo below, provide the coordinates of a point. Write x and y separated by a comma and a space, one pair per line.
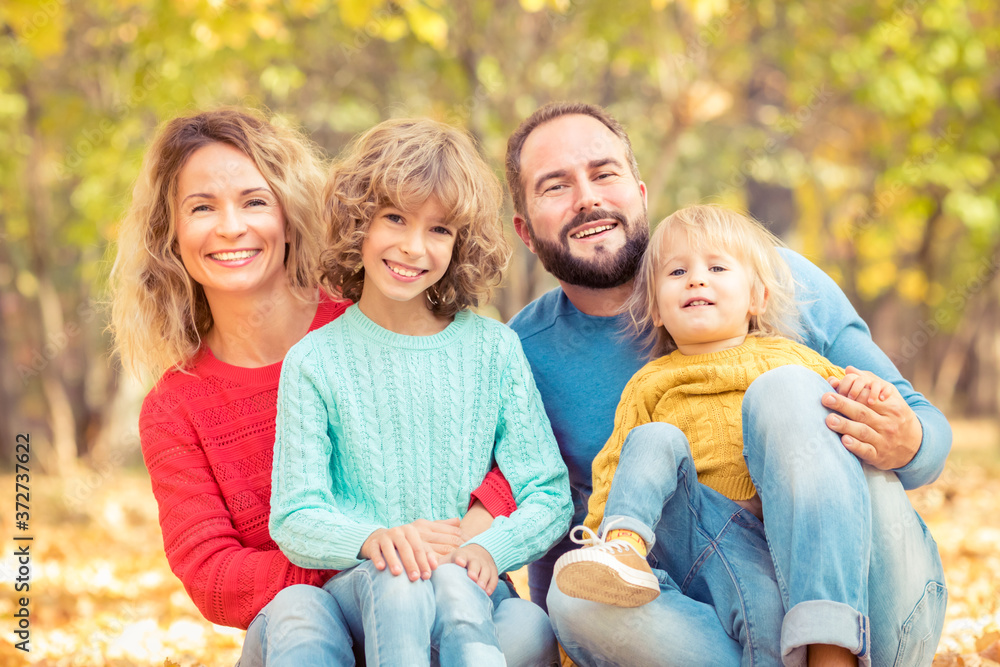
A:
495, 495
738, 487
344, 552
506, 552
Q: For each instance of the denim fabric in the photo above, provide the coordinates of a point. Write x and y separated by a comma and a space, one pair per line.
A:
817, 514
735, 591
447, 620
526, 636
718, 605
540, 572
301, 626
862, 533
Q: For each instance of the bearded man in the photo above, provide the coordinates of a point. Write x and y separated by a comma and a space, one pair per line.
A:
580, 206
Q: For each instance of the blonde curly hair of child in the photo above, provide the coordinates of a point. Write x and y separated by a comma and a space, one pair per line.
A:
402, 163
717, 227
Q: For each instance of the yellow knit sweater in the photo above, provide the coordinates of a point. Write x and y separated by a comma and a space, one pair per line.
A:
703, 396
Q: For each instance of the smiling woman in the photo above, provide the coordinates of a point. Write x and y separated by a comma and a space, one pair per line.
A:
230, 234
208, 183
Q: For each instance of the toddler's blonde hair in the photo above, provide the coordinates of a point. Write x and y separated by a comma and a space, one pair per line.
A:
711, 226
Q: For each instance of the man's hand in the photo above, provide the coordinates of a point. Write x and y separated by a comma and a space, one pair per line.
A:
875, 423
400, 548
479, 563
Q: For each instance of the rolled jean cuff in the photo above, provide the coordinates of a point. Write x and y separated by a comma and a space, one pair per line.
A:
622, 522
824, 622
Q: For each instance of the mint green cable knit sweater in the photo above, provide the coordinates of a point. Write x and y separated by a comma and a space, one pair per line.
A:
377, 429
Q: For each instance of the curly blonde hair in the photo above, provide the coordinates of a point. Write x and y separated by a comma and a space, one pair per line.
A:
402, 163
159, 314
743, 237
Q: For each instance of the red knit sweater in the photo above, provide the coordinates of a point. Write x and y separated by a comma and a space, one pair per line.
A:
208, 440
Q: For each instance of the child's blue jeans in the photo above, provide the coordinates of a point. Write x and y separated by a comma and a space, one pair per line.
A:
447, 620
841, 558
392, 621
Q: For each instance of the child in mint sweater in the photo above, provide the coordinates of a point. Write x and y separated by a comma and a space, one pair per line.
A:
397, 410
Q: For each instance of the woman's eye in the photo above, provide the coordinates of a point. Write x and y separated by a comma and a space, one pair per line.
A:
256, 202
441, 230
199, 208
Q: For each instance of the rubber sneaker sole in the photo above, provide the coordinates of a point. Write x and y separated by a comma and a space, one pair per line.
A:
600, 577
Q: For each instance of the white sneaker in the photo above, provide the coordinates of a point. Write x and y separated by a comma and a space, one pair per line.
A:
608, 572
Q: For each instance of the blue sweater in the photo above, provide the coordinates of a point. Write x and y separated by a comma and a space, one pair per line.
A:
582, 363
377, 429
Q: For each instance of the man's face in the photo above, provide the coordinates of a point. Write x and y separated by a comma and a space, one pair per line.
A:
585, 211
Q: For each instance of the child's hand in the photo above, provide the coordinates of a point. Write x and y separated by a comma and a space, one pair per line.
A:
400, 548
479, 563
867, 389
443, 536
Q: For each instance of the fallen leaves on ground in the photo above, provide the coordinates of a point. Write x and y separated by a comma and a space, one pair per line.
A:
960, 509
103, 595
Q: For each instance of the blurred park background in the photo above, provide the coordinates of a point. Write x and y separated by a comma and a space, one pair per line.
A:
866, 133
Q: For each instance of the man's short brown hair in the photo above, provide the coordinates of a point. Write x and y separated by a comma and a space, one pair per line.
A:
543, 115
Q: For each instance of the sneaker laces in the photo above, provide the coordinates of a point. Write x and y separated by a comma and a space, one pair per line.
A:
592, 540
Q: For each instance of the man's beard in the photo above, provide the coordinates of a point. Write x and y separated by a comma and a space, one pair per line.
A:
606, 270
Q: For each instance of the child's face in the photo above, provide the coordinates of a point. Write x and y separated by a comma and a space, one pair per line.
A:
405, 252
702, 297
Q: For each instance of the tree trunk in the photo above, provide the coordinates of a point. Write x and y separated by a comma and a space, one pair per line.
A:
7, 407
59, 456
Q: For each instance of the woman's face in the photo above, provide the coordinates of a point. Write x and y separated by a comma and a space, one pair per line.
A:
230, 227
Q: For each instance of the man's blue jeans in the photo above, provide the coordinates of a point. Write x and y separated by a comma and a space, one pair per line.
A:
306, 625
841, 558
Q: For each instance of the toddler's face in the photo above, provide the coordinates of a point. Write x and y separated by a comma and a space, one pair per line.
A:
703, 296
